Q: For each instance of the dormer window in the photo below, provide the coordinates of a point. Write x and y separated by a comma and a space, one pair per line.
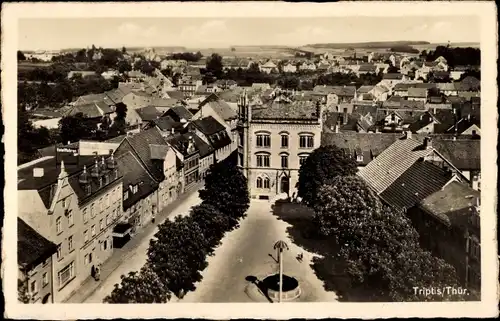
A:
359, 158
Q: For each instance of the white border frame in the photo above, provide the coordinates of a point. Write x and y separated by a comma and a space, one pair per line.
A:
485, 10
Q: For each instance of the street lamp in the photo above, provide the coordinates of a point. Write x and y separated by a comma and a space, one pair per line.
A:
280, 246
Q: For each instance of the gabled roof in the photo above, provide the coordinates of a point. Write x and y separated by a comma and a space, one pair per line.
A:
135, 175
464, 154
368, 68
174, 94
417, 92
115, 95
91, 110
208, 125
166, 123
180, 142
219, 106
424, 120
393, 76
158, 152
392, 163
365, 89
180, 112
446, 86
139, 144
32, 248
469, 83
415, 183
148, 113
452, 204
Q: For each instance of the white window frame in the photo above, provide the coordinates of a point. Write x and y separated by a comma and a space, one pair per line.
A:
58, 225
71, 268
92, 230
70, 243
45, 279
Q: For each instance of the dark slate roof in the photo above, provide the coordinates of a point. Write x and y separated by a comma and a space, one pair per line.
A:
32, 248
453, 204
464, 124
181, 141
115, 95
117, 139
417, 182
148, 113
166, 123
364, 89
296, 110
424, 120
158, 152
139, 144
464, 154
393, 76
179, 112
135, 174
208, 125
94, 183
469, 83
412, 104
348, 91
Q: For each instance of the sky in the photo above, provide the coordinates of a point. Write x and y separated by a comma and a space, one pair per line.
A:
53, 34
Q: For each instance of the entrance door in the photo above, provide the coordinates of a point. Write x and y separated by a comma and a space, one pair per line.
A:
285, 184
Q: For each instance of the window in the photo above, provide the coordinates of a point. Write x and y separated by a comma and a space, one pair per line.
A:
45, 279
125, 195
306, 141
101, 205
86, 235
33, 287
70, 218
92, 210
85, 216
284, 141
263, 140
70, 243
101, 224
267, 183
284, 161
93, 230
107, 220
66, 274
302, 159
474, 249
59, 251
359, 158
259, 182
263, 161
58, 225
113, 214
108, 201
63, 203
393, 117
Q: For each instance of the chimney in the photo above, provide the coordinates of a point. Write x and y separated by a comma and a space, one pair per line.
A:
428, 142
408, 134
38, 172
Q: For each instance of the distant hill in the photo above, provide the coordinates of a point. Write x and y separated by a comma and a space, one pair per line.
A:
374, 45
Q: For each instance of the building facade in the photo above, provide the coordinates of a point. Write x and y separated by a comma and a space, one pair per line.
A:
274, 140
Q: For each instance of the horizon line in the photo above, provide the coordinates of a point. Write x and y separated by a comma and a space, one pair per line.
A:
285, 46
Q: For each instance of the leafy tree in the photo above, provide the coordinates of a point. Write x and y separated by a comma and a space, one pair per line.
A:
144, 66
177, 253
75, 128
20, 56
392, 69
473, 73
140, 287
22, 291
380, 247
124, 50
124, 66
213, 223
226, 189
324, 163
119, 123
214, 65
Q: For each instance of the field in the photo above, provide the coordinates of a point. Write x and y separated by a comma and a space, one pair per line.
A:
26, 66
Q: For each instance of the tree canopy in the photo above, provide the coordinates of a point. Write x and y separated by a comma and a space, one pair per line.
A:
379, 245
226, 189
140, 287
214, 65
456, 56
75, 127
323, 164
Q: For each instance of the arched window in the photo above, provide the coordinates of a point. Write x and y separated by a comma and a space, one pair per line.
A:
263, 160
259, 182
306, 140
263, 139
267, 183
284, 139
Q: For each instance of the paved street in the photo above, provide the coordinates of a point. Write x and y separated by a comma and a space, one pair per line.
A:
133, 255
246, 252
